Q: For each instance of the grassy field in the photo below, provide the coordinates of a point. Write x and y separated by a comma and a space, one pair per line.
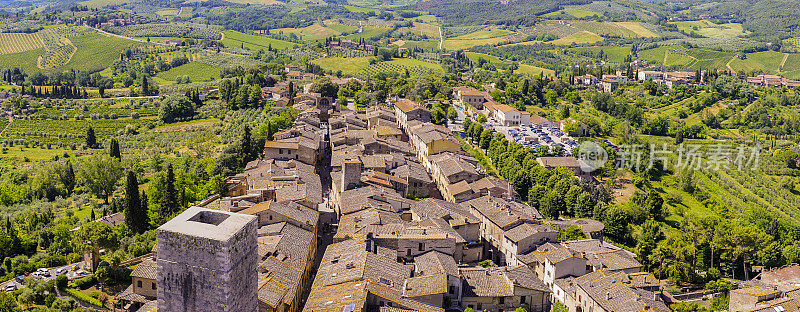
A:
533, 70
97, 51
101, 3
792, 66
604, 29
473, 56
24, 60
15, 43
429, 30
427, 45
349, 65
484, 34
195, 70
614, 54
341, 28
707, 28
476, 38
637, 28
571, 12
367, 32
768, 62
314, 32
579, 38
253, 42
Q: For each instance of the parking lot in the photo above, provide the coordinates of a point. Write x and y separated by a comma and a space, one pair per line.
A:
72, 271
533, 136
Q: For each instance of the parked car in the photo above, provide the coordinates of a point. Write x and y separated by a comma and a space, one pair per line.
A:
81, 273
10, 288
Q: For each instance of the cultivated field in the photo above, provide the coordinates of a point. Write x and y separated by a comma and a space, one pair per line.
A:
614, 54
638, 28
15, 43
350, 65
579, 38
314, 32
254, 42
707, 28
768, 62
196, 72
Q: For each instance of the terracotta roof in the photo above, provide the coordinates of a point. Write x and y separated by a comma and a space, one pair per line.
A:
146, 270
481, 282
425, 285
435, 262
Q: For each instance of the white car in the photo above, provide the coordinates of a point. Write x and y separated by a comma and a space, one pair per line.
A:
81, 273
61, 271
10, 288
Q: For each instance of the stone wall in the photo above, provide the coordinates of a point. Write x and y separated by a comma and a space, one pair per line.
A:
203, 274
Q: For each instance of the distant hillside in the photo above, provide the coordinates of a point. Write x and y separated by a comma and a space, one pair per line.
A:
476, 12
765, 18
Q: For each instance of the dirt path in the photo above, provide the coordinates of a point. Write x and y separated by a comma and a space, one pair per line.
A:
10, 120
441, 38
783, 62
159, 43
728, 64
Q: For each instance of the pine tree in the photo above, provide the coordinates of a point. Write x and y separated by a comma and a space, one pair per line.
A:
91, 140
169, 203
135, 216
114, 149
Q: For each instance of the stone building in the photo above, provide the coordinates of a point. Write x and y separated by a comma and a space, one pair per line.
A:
207, 261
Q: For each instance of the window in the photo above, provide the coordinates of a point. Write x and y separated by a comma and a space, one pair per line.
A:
452, 289
153, 285
421, 246
480, 306
408, 253
139, 284
502, 300
280, 151
522, 300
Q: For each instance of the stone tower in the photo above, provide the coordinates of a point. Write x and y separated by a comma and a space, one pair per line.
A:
207, 261
351, 173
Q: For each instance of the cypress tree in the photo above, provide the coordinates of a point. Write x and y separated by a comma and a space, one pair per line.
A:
114, 149
135, 216
91, 140
169, 203
68, 179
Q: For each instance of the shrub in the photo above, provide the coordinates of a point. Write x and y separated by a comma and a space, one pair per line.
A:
84, 297
85, 282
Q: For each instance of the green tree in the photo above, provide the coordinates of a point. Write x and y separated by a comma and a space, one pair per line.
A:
100, 174
91, 139
68, 177
325, 87
61, 281
486, 138
648, 239
99, 234
113, 149
135, 214
169, 202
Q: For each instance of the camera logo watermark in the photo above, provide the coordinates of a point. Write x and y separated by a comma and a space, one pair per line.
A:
591, 156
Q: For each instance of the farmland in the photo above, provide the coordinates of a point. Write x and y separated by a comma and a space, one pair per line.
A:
254, 42
709, 29
15, 43
767, 62
314, 32
224, 60
605, 29
183, 30
350, 65
571, 13
476, 38
579, 38
196, 71
614, 54
638, 28
533, 70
